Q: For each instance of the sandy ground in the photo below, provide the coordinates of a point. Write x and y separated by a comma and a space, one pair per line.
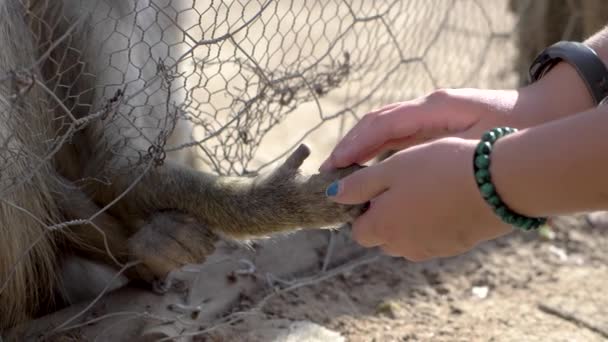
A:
525, 277
501, 291
518, 288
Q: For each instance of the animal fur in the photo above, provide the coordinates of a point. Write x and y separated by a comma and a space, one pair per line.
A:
83, 96
544, 22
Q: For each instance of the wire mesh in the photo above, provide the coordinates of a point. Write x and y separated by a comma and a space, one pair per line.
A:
240, 83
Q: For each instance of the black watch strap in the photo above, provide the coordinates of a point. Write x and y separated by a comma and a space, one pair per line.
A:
583, 58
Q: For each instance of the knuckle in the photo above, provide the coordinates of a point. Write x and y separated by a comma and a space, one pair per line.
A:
390, 250
417, 255
464, 240
370, 117
359, 189
438, 95
364, 234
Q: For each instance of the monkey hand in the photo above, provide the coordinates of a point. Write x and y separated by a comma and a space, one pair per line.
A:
311, 208
168, 241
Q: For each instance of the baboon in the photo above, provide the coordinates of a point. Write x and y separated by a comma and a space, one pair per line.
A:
544, 22
84, 116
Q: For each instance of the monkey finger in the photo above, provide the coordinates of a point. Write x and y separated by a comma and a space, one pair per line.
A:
295, 160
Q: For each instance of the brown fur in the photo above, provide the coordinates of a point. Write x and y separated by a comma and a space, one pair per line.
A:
544, 22
166, 215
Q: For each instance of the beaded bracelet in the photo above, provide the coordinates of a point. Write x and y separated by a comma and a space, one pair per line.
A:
481, 163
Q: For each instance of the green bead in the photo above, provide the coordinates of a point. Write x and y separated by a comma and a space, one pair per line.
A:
494, 201
482, 176
527, 225
484, 147
501, 211
509, 218
487, 190
499, 132
489, 136
482, 161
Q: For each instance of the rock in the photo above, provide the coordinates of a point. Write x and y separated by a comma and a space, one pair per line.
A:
308, 331
388, 308
280, 330
456, 310
560, 253
480, 292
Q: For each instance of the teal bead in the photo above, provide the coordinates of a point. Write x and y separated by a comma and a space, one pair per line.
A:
482, 176
484, 147
527, 225
540, 222
501, 211
487, 190
482, 161
494, 201
489, 136
499, 132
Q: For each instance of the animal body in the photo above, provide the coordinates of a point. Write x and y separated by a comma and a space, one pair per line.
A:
87, 104
544, 22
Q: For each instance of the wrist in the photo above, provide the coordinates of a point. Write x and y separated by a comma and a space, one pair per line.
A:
487, 224
485, 181
556, 168
560, 93
568, 78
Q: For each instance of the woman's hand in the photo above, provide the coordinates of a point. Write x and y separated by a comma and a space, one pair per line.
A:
464, 113
424, 202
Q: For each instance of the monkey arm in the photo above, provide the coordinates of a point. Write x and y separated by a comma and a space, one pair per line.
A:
238, 207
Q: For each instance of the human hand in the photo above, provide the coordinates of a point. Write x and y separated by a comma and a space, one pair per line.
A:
464, 113
424, 202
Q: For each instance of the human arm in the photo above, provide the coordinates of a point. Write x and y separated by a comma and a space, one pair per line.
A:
557, 168
467, 112
426, 204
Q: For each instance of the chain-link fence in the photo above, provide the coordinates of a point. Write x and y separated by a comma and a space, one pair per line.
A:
237, 84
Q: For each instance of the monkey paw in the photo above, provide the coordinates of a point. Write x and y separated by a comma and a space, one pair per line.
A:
328, 210
168, 241
313, 206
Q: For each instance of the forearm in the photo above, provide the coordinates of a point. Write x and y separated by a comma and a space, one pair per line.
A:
561, 92
557, 168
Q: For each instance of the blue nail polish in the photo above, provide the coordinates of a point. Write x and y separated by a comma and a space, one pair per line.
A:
332, 189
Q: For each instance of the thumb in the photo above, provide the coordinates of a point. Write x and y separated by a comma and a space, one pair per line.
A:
360, 186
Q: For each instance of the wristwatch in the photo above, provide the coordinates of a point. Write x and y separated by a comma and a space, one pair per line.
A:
583, 58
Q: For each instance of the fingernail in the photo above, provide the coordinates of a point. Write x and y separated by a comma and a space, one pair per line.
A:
332, 189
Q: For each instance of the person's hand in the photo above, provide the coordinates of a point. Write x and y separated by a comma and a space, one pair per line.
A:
424, 202
465, 113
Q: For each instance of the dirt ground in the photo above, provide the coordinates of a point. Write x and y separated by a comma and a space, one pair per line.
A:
524, 287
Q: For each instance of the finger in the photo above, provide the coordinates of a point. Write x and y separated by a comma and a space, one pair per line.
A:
395, 145
375, 227
360, 186
391, 250
295, 160
374, 131
291, 165
351, 136
366, 230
